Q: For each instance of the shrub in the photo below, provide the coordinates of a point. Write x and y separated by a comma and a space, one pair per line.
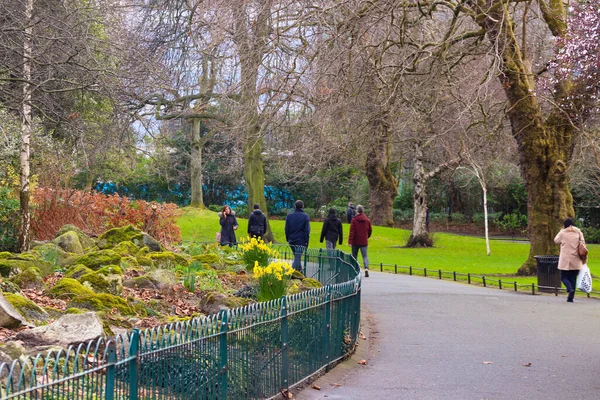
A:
272, 279
403, 216
215, 208
94, 213
9, 220
591, 234
255, 251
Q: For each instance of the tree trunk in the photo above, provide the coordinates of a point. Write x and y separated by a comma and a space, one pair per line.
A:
382, 184
196, 165
419, 235
26, 129
545, 147
485, 219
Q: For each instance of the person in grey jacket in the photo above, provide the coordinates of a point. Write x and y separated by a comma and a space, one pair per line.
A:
351, 212
257, 223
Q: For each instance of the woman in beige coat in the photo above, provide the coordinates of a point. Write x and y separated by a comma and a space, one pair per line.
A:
569, 262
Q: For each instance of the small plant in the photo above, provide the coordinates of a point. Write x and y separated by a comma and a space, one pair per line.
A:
208, 280
255, 250
512, 222
50, 254
272, 279
189, 280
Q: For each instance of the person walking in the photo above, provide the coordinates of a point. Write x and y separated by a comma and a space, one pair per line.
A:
228, 227
360, 232
257, 223
332, 230
351, 212
569, 262
297, 232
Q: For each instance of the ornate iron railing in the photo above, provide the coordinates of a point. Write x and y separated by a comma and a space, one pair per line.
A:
251, 352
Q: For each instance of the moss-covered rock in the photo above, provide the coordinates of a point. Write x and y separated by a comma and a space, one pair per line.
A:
77, 271
167, 259
144, 251
142, 282
106, 301
145, 261
27, 308
85, 240
210, 259
151, 243
213, 303
310, 283
293, 288
51, 253
163, 279
13, 266
113, 237
75, 310
126, 248
69, 242
235, 302
297, 275
98, 259
104, 282
31, 278
129, 262
5, 255
69, 288
7, 286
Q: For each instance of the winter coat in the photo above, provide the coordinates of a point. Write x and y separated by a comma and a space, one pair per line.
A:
297, 228
350, 213
228, 226
568, 239
332, 230
360, 231
257, 223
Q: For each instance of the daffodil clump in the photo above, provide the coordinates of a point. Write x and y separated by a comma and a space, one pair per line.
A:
272, 279
256, 250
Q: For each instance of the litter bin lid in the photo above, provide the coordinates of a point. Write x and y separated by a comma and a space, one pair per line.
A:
545, 257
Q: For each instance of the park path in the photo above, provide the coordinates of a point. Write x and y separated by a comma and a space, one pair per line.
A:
432, 339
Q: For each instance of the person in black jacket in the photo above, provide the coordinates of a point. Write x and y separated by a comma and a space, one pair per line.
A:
297, 232
332, 230
228, 226
351, 212
257, 223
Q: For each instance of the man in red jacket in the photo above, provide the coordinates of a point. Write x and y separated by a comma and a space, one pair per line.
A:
360, 232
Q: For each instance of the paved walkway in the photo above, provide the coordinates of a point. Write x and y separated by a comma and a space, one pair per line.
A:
432, 339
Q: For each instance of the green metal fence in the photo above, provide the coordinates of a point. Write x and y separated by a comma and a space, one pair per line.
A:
251, 352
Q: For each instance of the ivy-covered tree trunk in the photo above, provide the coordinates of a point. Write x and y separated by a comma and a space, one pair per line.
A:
545, 145
26, 128
196, 164
419, 235
382, 183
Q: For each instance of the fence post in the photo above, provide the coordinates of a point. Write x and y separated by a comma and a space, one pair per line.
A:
440, 273
410, 270
515, 286
285, 339
483, 279
469, 278
320, 265
500, 284
134, 347
533, 288
111, 359
454, 273
223, 357
395, 268
381, 267
425, 272
327, 326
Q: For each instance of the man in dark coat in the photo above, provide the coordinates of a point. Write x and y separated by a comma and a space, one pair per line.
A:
332, 230
257, 223
297, 232
351, 212
360, 232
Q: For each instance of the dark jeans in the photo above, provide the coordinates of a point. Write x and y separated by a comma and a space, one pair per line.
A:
569, 279
298, 251
363, 251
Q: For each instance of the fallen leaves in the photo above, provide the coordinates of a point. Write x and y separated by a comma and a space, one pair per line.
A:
527, 365
488, 362
362, 362
362, 336
316, 387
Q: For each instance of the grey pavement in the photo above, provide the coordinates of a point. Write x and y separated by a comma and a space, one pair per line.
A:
432, 339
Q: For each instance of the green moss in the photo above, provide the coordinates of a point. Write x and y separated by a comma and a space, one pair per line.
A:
77, 271
297, 275
144, 250
75, 310
111, 270
129, 262
142, 260
69, 241
27, 308
106, 301
126, 248
69, 288
143, 282
106, 283
85, 240
114, 236
210, 259
4, 255
15, 266
311, 283
97, 259
235, 302
167, 259
31, 278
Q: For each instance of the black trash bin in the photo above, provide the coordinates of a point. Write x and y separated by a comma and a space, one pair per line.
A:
548, 274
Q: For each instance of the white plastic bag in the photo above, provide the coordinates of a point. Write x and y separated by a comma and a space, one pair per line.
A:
584, 279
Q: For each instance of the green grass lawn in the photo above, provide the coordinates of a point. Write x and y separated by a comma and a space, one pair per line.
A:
463, 254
